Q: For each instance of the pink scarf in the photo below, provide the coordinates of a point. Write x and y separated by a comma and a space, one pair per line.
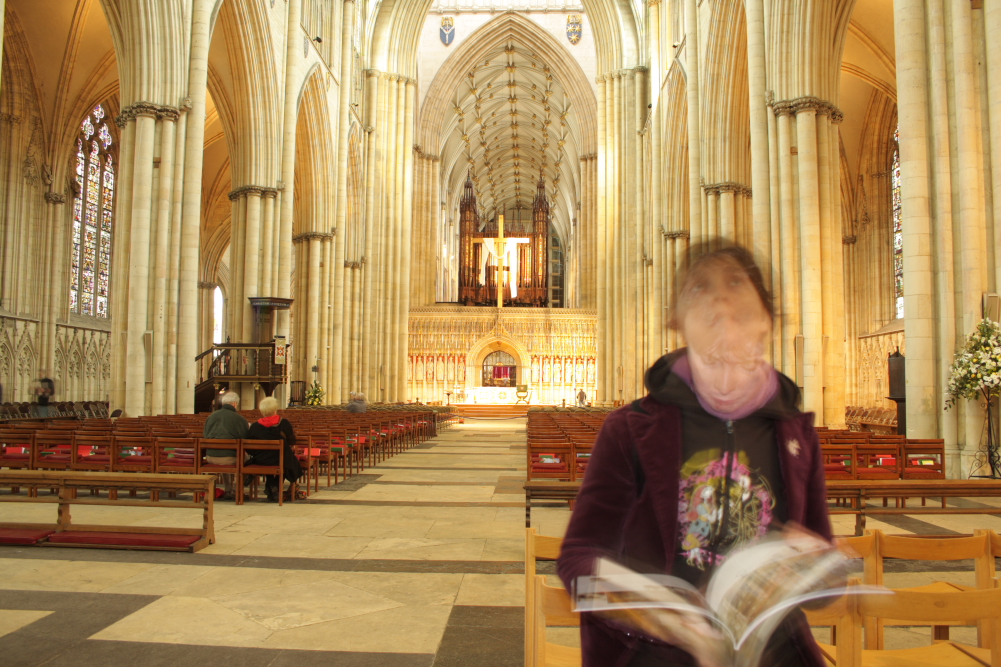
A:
766, 392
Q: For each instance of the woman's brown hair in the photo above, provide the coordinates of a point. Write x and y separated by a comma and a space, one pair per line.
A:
708, 253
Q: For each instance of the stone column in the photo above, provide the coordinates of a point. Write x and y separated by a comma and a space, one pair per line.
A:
293, 55
601, 244
180, 137
2, 12
912, 108
269, 242
992, 28
56, 221
325, 279
120, 269
790, 304
406, 234
810, 267
760, 163
159, 251
696, 216
366, 370
251, 259
187, 306
138, 257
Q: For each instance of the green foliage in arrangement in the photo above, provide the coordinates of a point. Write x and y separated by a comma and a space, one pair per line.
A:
976, 369
315, 394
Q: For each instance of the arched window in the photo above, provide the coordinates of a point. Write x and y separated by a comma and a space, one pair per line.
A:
898, 233
500, 370
93, 217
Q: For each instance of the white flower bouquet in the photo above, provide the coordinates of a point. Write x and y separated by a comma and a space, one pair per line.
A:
976, 369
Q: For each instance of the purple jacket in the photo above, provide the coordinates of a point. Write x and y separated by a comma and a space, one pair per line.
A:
609, 520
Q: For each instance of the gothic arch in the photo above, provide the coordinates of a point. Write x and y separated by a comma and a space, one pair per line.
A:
495, 34
483, 347
395, 27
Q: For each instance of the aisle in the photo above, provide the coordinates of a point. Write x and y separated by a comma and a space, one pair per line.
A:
416, 562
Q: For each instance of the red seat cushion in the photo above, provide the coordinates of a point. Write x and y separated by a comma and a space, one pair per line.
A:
11, 456
123, 539
23, 536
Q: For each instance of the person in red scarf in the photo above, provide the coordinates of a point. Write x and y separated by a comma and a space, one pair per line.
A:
271, 426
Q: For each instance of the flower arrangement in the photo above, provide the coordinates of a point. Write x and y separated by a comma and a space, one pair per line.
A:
315, 394
975, 375
976, 369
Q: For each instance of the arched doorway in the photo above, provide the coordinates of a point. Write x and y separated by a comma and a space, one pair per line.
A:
499, 370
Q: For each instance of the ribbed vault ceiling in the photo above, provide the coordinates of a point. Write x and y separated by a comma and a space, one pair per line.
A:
512, 120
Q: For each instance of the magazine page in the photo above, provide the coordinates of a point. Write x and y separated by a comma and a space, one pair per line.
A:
756, 586
658, 606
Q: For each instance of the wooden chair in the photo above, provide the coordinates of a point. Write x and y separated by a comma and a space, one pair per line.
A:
203, 466
536, 547
253, 446
91, 452
135, 455
924, 459
52, 451
919, 608
551, 607
310, 465
923, 548
176, 455
549, 461
15, 449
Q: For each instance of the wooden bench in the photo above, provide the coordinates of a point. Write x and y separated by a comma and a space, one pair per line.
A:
68, 484
547, 490
859, 492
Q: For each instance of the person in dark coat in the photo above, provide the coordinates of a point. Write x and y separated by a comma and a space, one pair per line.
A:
714, 457
271, 426
357, 403
225, 424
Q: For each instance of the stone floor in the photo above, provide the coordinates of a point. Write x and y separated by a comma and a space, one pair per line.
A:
416, 562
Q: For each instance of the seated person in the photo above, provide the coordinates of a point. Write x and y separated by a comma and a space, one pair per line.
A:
225, 424
271, 426
357, 403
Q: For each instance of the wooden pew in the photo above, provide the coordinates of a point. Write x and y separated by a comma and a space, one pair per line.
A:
859, 492
68, 534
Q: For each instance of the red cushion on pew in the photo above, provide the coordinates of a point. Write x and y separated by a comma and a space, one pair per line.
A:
922, 472
15, 456
23, 536
123, 539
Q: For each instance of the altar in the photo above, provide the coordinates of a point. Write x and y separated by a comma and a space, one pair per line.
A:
494, 395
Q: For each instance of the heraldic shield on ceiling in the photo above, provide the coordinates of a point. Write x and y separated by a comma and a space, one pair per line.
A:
447, 30
574, 27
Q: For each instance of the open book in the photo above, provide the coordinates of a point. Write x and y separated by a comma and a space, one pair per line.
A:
747, 597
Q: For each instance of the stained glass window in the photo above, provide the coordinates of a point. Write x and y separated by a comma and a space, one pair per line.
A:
93, 217
898, 230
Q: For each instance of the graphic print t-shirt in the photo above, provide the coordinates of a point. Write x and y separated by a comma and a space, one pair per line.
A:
715, 515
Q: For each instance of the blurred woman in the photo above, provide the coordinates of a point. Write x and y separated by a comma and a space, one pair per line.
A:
714, 456
272, 426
